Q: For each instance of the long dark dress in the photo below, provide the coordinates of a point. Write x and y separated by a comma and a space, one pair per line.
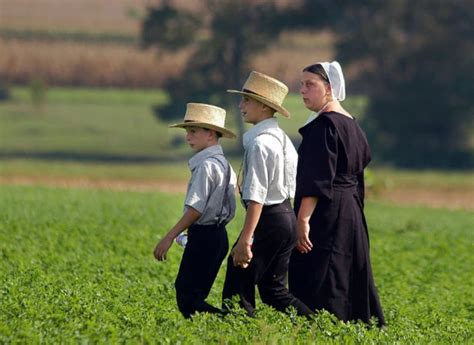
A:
336, 275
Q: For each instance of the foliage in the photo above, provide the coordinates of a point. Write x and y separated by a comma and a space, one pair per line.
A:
169, 27
77, 266
4, 92
38, 90
235, 32
390, 47
415, 61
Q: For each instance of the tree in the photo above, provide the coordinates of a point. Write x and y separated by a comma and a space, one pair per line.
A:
416, 61
229, 34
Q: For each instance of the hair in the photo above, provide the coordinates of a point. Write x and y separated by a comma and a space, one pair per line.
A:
318, 70
218, 134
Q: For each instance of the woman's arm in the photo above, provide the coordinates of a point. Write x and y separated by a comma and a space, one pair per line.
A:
242, 253
308, 205
189, 217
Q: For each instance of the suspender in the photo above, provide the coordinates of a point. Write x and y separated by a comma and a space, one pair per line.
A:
227, 181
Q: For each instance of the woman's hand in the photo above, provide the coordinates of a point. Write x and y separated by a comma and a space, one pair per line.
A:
241, 254
303, 244
162, 248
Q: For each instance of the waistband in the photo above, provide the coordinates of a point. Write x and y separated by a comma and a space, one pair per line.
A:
209, 228
345, 181
284, 207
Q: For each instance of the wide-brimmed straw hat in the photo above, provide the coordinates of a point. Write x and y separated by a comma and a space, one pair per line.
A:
205, 116
265, 89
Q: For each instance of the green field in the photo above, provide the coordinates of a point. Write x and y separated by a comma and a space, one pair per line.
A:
77, 266
95, 124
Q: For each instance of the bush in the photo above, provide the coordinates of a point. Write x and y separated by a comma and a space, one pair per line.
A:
38, 90
4, 92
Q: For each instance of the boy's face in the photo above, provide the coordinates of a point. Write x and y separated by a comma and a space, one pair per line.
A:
251, 110
199, 138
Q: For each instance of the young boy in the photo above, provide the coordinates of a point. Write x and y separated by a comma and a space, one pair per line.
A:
261, 254
208, 207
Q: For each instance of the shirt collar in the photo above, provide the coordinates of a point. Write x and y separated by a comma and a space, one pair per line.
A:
260, 127
201, 156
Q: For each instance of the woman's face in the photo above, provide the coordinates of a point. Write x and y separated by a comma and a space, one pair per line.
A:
314, 91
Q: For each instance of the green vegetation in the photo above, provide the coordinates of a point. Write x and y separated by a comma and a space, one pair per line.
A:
108, 123
82, 123
77, 266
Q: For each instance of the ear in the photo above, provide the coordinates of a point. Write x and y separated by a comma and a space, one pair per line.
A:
212, 134
328, 89
267, 109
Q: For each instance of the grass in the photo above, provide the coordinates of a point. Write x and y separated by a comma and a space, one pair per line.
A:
77, 266
115, 122
84, 122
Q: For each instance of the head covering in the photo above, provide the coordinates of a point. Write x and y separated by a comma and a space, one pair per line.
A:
205, 116
336, 79
265, 89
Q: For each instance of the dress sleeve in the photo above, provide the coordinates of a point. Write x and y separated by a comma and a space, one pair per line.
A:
319, 160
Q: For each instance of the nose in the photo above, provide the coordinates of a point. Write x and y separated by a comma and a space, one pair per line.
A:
302, 89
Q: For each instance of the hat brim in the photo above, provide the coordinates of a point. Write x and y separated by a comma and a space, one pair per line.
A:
265, 101
224, 131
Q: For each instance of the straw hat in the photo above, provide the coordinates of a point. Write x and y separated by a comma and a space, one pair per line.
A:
205, 116
265, 89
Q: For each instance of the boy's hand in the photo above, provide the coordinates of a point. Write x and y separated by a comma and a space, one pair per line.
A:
162, 248
241, 254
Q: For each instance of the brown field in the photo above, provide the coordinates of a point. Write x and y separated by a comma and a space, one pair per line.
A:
434, 196
71, 63
92, 64
73, 15
118, 16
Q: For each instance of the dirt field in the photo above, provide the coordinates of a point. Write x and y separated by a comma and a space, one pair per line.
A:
436, 197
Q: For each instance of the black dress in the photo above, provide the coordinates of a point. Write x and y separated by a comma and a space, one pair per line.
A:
336, 275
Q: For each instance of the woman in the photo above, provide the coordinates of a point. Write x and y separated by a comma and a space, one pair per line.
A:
330, 266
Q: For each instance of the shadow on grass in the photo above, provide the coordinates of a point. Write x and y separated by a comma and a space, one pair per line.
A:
93, 157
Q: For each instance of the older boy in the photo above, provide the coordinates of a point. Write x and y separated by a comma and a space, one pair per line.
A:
261, 255
208, 207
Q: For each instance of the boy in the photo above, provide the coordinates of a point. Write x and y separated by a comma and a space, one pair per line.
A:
208, 207
261, 254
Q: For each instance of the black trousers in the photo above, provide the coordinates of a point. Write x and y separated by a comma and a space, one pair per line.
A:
274, 240
206, 249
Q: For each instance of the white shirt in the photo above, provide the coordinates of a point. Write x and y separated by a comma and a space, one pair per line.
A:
206, 188
269, 174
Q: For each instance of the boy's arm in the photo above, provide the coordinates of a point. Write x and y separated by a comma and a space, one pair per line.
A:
189, 217
242, 253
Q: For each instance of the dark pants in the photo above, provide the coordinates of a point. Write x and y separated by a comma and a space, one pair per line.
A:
206, 249
274, 239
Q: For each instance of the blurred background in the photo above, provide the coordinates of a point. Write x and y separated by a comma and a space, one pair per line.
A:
88, 88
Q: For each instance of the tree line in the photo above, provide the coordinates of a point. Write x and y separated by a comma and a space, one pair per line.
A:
414, 61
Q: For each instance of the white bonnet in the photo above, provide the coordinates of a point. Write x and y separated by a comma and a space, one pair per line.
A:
336, 79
